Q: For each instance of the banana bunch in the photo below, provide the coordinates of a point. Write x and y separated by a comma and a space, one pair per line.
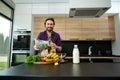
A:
51, 57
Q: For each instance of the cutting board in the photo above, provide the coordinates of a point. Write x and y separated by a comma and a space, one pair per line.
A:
62, 61
43, 62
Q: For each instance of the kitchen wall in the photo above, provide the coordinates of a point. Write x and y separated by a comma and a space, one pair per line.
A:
24, 14
99, 48
116, 43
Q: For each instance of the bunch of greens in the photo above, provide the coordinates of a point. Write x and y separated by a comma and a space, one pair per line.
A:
42, 46
32, 58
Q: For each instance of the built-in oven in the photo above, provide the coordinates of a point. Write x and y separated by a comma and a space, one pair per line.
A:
20, 47
21, 42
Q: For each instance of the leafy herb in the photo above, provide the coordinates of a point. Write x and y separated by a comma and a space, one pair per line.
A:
32, 58
42, 46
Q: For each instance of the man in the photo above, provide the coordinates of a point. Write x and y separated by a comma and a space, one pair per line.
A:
50, 35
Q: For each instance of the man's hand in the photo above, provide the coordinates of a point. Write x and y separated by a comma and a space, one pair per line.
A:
54, 47
35, 47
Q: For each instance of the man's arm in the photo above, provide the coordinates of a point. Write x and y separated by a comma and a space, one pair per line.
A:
59, 48
54, 46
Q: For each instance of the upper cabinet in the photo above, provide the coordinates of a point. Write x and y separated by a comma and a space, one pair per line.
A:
111, 27
89, 29
60, 26
23, 17
38, 26
75, 29
103, 28
106, 29
50, 8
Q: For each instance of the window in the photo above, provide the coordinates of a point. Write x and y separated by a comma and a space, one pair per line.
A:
6, 22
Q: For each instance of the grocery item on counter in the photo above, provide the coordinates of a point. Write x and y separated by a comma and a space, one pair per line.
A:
53, 58
76, 54
44, 53
32, 58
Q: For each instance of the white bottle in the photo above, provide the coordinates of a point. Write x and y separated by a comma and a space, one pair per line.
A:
76, 54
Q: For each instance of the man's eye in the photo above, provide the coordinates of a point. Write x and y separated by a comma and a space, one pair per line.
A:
49, 24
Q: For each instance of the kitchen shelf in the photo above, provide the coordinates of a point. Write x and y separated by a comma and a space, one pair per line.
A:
96, 57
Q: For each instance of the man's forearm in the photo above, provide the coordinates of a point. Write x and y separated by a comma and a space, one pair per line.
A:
59, 48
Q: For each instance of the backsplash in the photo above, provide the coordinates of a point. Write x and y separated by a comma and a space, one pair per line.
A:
100, 48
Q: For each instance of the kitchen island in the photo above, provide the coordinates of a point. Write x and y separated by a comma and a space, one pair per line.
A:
64, 71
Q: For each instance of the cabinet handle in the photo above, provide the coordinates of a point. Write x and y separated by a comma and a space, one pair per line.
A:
107, 39
74, 39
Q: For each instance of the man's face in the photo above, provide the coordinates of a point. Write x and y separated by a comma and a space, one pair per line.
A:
49, 25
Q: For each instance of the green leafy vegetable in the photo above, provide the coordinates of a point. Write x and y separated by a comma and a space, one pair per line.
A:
42, 46
32, 58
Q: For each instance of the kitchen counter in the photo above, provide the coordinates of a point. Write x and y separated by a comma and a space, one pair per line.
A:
65, 71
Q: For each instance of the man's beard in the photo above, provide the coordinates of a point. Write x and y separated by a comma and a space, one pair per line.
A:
49, 30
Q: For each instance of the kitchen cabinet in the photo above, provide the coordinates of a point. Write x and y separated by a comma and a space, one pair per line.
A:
103, 28
111, 27
50, 8
74, 29
22, 17
39, 8
60, 26
22, 24
38, 26
89, 29
106, 28
57, 8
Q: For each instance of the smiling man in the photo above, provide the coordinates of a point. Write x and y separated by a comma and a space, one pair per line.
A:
50, 35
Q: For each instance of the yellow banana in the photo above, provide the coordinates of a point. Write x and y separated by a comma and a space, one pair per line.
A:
53, 55
55, 60
56, 56
49, 55
49, 60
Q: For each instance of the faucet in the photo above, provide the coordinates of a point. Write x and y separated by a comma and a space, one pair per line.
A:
89, 53
89, 50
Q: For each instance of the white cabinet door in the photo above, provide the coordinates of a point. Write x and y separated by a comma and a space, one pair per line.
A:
58, 8
22, 22
22, 17
40, 8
